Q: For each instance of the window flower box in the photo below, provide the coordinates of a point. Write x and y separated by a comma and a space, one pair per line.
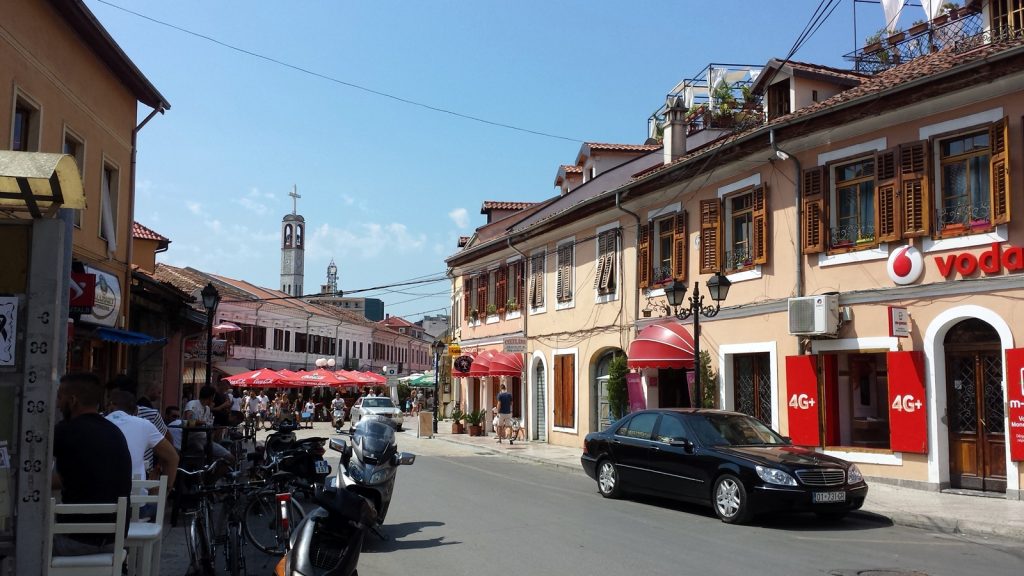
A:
895, 38
918, 28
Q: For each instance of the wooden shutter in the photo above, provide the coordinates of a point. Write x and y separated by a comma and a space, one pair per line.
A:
887, 206
607, 280
481, 295
814, 228
680, 247
759, 223
999, 164
500, 288
563, 290
710, 236
521, 283
537, 280
599, 262
467, 293
643, 251
915, 189
564, 405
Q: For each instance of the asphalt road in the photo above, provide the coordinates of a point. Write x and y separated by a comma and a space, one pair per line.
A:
462, 511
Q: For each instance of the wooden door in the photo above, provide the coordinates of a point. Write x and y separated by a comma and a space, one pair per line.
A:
977, 439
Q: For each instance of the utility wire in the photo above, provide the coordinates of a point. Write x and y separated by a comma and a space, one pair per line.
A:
339, 81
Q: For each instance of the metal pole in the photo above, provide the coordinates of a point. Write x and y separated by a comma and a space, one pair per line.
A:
209, 344
437, 363
695, 310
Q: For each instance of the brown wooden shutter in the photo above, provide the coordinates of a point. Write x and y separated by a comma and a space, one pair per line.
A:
608, 270
501, 293
710, 236
599, 262
643, 252
814, 228
467, 293
999, 177
481, 295
680, 247
521, 271
887, 206
564, 404
759, 222
915, 189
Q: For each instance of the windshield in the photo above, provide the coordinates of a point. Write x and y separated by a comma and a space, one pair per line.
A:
733, 430
373, 435
378, 403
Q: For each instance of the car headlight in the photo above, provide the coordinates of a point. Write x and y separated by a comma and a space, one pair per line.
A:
853, 475
774, 476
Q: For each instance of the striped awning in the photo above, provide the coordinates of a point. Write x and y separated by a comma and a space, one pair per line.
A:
662, 346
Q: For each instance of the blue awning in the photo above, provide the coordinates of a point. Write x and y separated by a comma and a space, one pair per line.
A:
127, 337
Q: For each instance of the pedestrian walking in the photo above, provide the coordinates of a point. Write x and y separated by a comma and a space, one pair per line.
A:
504, 414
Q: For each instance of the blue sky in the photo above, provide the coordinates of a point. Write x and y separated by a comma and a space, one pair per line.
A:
387, 188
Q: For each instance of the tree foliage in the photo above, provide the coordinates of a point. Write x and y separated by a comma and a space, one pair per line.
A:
709, 381
618, 396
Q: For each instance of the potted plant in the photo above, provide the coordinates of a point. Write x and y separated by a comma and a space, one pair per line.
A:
474, 314
873, 43
457, 426
895, 37
474, 421
918, 27
511, 305
492, 309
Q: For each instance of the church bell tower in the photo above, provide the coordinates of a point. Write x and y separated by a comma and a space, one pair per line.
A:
293, 248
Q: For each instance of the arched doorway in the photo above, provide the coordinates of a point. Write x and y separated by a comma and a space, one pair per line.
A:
977, 435
540, 421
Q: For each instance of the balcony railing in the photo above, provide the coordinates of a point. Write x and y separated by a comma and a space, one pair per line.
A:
960, 30
964, 216
851, 235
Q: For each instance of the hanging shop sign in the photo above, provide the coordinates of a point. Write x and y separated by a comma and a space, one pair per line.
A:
1015, 395
905, 265
8, 330
462, 364
514, 345
899, 322
454, 349
802, 384
991, 261
107, 305
83, 293
908, 409
635, 390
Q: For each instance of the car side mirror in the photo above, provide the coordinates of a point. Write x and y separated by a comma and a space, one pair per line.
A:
338, 445
406, 458
683, 443
787, 439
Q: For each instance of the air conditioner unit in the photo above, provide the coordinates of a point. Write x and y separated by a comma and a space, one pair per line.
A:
814, 315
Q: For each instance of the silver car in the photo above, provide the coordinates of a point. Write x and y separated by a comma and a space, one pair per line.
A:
379, 406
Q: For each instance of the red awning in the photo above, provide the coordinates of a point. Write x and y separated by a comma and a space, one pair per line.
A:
481, 367
262, 378
319, 377
662, 346
506, 364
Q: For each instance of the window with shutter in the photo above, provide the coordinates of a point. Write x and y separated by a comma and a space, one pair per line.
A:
852, 215
643, 251
745, 236
710, 236
537, 280
564, 273
1000, 172
520, 283
467, 297
812, 229
604, 276
914, 189
500, 297
481, 295
680, 242
760, 224
890, 224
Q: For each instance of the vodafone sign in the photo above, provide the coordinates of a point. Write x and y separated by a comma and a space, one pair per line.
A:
991, 261
905, 265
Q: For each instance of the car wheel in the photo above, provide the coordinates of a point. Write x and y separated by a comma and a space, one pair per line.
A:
608, 479
730, 500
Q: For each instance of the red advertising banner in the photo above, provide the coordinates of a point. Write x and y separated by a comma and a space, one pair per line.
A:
1015, 395
908, 407
802, 392
635, 388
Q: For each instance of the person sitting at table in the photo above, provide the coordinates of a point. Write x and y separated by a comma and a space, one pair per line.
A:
198, 413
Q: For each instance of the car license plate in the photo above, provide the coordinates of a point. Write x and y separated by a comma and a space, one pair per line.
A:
828, 497
322, 467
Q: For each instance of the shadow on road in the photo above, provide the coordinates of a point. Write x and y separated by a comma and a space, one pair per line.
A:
398, 535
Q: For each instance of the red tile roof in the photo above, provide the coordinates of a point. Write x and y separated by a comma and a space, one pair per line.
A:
498, 205
571, 169
141, 232
622, 147
829, 70
398, 321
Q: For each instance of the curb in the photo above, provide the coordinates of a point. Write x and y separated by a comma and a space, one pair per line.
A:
514, 456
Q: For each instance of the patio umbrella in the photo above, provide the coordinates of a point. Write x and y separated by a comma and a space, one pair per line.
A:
262, 378
423, 380
318, 377
225, 327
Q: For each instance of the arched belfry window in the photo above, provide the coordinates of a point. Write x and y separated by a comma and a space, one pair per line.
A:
298, 235
287, 235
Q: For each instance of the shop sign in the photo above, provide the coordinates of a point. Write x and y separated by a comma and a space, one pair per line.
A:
802, 390
908, 409
83, 293
515, 345
905, 265
454, 350
991, 261
1015, 395
462, 364
899, 322
8, 330
635, 388
107, 305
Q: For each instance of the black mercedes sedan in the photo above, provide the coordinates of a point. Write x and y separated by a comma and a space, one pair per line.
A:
728, 460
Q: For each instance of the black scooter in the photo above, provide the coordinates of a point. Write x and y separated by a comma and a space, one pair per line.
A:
369, 463
328, 540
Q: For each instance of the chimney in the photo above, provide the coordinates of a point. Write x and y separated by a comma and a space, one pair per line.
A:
387, 316
674, 141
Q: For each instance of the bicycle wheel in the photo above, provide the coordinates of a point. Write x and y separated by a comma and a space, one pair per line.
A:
199, 548
236, 561
264, 528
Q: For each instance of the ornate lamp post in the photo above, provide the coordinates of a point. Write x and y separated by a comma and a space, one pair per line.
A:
718, 288
211, 298
439, 348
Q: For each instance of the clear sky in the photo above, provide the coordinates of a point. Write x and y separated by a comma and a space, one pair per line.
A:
388, 187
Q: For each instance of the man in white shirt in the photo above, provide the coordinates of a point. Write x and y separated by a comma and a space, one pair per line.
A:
141, 436
198, 411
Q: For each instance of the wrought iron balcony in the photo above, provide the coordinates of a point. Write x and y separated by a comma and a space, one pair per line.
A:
964, 215
960, 30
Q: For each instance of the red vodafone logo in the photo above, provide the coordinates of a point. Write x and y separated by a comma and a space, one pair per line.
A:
905, 265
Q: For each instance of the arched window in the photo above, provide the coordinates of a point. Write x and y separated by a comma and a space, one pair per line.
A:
287, 235
298, 236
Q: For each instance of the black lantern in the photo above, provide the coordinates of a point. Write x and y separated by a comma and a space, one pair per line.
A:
718, 287
211, 298
675, 294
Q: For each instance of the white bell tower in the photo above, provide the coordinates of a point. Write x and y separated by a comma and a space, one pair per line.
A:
293, 247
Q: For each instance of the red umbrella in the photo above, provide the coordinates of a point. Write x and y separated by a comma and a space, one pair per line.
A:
318, 377
377, 378
262, 378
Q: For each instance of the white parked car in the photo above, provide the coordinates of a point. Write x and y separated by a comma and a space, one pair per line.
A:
379, 406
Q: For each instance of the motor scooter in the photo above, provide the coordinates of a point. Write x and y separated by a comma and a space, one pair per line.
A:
369, 463
328, 540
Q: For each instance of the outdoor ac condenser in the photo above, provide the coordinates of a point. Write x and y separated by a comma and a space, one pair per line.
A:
814, 315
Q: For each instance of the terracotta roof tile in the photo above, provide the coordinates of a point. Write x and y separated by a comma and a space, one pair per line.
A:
822, 69
498, 205
571, 169
141, 232
622, 147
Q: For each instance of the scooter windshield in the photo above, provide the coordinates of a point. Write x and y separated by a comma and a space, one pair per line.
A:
373, 436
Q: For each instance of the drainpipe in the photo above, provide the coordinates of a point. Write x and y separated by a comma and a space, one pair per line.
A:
799, 288
131, 203
525, 313
636, 293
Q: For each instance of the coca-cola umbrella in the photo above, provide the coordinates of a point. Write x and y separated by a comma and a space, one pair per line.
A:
262, 378
318, 377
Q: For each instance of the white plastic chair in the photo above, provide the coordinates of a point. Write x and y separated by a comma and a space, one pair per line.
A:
106, 564
145, 536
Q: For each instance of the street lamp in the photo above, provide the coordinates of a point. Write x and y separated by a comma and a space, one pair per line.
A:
439, 348
211, 298
718, 288
325, 362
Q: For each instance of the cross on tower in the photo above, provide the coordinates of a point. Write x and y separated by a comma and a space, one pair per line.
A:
295, 199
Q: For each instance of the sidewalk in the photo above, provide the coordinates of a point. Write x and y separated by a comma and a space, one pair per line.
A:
935, 511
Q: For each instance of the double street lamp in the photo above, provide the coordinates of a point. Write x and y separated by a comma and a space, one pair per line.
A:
718, 288
211, 298
439, 348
